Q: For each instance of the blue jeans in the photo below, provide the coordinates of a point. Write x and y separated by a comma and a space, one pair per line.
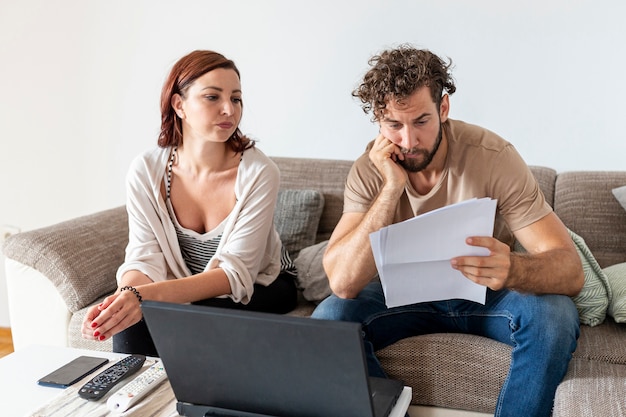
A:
542, 329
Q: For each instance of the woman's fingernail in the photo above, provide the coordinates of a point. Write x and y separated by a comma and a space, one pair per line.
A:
96, 334
94, 325
101, 338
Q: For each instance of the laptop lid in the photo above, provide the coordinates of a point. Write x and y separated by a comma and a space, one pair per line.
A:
264, 364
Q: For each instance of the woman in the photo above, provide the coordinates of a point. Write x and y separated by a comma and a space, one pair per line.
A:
200, 209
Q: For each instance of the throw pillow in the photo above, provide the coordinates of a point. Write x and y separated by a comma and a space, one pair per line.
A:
620, 194
297, 216
616, 275
312, 279
593, 300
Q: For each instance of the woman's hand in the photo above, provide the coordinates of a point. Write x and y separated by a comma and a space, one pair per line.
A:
116, 313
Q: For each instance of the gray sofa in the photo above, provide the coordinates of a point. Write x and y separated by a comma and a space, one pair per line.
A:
62, 269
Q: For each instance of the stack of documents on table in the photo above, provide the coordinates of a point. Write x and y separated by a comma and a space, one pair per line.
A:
413, 257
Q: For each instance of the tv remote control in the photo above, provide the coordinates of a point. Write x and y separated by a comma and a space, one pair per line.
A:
102, 383
135, 390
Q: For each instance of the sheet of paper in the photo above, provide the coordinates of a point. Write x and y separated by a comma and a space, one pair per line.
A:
413, 257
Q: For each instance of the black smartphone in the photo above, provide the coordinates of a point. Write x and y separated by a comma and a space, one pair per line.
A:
72, 372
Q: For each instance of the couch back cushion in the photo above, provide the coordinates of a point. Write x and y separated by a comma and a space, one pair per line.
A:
546, 177
585, 203
325, 175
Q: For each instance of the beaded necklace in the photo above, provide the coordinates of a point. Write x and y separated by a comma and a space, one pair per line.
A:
169, 171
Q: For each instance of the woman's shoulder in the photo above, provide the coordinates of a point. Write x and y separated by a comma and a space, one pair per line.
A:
255, 159
149, 164
152, 157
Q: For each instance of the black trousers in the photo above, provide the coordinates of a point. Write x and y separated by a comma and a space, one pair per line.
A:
279, 297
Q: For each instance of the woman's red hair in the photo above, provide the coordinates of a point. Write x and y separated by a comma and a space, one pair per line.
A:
183, 73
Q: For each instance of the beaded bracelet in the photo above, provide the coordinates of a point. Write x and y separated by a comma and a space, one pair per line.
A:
133, 290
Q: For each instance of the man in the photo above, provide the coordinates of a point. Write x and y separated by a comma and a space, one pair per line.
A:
422, 160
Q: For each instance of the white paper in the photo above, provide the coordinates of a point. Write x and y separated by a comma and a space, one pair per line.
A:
413, 257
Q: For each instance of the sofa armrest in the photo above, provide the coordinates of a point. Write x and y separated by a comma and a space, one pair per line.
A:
38, 313
79, 256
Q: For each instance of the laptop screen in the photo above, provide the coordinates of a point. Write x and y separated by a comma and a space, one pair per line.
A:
259, 362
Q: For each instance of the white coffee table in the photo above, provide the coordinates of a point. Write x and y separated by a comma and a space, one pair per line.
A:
20, 395
19, 392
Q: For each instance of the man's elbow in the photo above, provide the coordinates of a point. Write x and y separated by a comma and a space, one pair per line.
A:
342, 291
337, 283
578, 279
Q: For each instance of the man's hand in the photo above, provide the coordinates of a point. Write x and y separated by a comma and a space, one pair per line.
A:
384, 155
492, 270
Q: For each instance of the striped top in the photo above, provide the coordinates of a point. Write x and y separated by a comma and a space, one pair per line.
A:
198, 248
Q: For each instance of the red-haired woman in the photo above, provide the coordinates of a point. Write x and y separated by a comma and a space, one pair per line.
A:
200, 208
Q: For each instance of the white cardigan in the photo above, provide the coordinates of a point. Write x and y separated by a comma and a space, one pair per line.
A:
250, 248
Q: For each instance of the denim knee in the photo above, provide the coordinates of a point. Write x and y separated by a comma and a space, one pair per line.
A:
369, 301
554, 319
342, 309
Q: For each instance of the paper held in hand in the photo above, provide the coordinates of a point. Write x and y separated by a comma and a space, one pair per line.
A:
413, 257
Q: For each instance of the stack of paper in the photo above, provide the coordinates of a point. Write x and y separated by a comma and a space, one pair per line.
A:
413, 257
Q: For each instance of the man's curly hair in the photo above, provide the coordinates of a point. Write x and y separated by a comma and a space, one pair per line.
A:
397, 73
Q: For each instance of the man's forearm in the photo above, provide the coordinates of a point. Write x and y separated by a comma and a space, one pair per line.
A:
558, 271
349, 261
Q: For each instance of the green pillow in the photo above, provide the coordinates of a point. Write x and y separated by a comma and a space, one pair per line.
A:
616, 275
593, 300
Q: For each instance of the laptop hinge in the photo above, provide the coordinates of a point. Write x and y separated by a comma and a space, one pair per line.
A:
195, 410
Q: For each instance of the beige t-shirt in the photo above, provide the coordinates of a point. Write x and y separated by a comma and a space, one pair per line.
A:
479, 164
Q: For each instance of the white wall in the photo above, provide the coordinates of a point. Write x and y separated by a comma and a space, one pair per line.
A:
80, 83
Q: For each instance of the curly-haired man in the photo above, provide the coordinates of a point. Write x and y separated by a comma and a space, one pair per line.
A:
422, 160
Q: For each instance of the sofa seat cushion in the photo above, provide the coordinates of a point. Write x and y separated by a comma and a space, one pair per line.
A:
477, 365
577, 396
603, 343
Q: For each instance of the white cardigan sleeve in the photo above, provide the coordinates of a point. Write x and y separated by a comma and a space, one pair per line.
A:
152, 243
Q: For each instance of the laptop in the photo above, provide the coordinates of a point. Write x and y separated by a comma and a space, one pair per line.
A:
225, 362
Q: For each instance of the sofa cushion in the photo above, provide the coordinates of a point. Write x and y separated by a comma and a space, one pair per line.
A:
604, 343
312, 279
450, 370
616, 276
591, 388
297, 216
585, 203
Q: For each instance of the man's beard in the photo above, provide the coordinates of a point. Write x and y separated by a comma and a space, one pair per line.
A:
417, 165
